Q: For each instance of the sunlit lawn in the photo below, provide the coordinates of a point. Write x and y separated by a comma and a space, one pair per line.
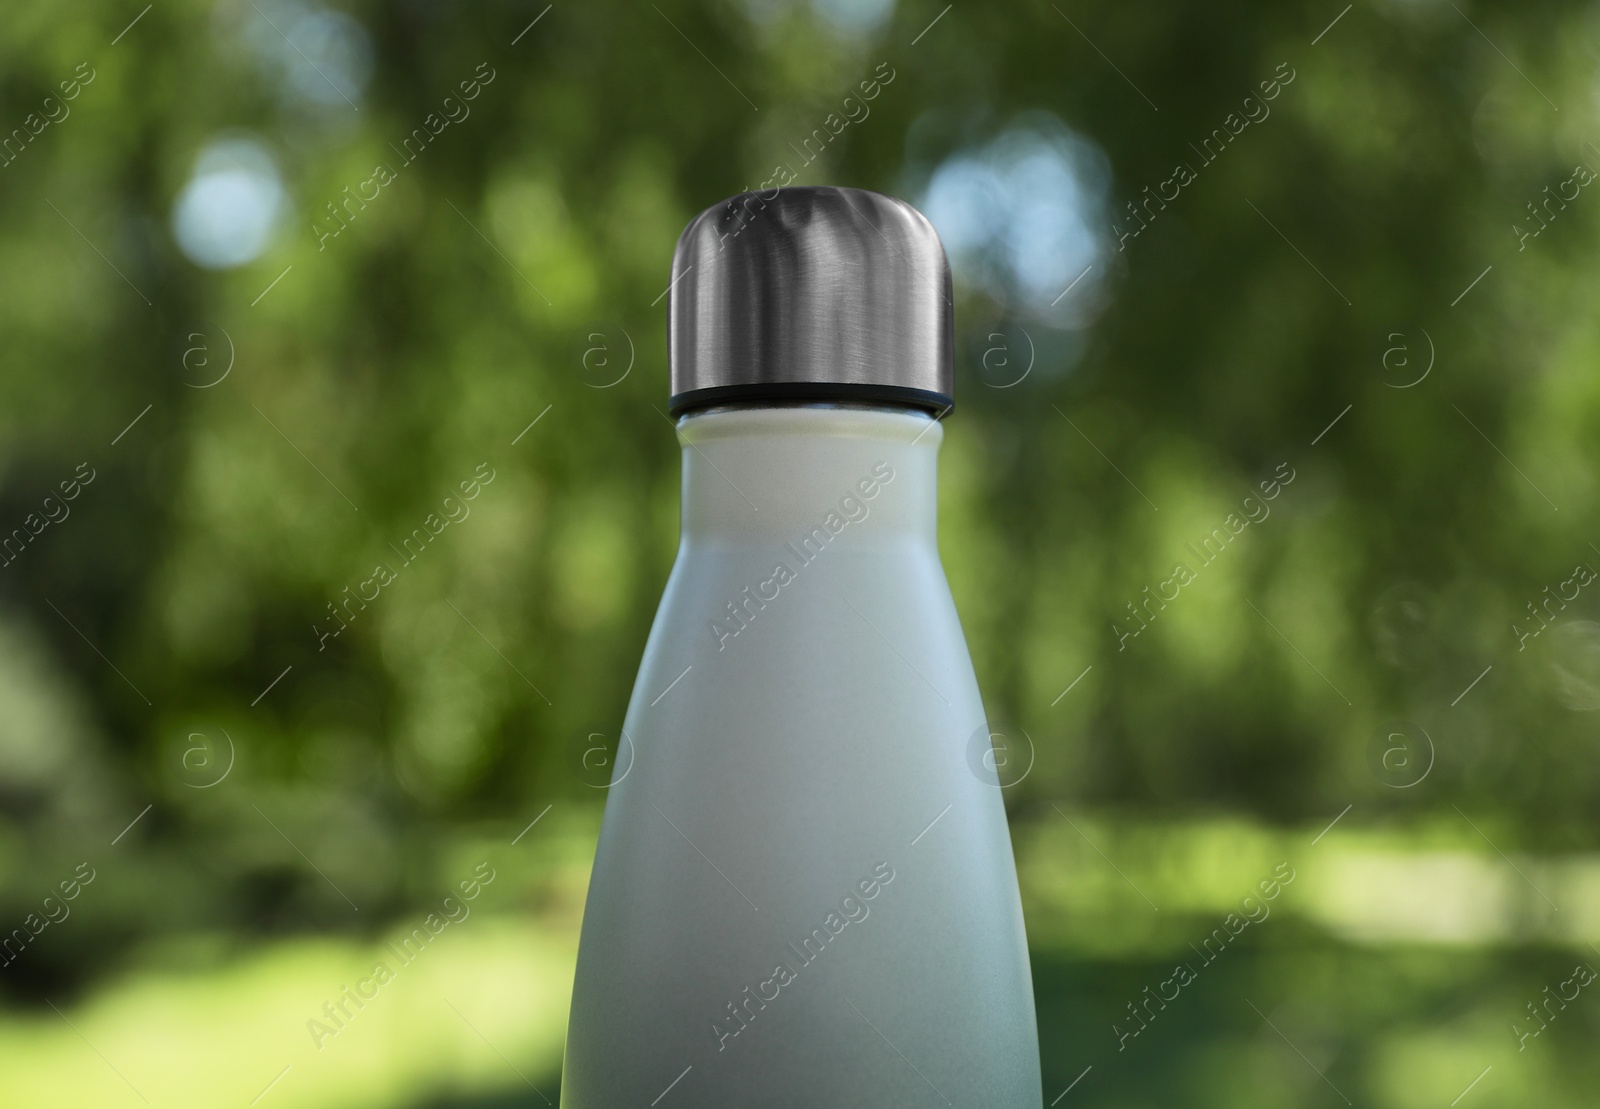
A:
1387, 971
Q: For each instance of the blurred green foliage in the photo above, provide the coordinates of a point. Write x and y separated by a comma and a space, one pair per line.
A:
263, 434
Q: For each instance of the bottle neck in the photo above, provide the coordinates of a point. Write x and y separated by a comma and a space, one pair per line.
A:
809, 475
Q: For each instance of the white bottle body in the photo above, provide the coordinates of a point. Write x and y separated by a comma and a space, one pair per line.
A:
804, 891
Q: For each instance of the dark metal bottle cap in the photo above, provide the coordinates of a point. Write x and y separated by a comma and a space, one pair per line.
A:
810, 293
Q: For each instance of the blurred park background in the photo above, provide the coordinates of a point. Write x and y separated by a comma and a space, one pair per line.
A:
280, 276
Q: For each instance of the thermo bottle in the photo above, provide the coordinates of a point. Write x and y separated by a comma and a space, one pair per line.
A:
804, 891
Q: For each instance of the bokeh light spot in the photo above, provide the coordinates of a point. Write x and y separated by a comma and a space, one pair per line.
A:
1024, 217
225, 215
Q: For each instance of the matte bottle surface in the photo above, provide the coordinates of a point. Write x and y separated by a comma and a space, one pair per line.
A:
786, 763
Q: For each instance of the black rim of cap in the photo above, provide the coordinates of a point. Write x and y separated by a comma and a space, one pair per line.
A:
774, 391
